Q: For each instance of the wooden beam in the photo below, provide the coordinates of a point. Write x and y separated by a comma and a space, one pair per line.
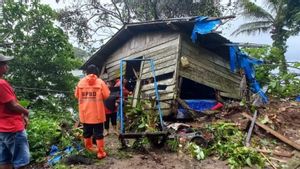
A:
274, 133
277, 153
187, 107
230, 95
137, 85
247, 142
172, 26
223, 17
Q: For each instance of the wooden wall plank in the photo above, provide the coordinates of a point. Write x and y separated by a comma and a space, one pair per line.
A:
163, 96
209, 69
212, 68
168, 69
169, 89
208, 58
163, 82
208, 77
160, 66
137, 47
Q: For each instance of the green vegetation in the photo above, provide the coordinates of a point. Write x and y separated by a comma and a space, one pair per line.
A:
227, 145
279, 85
142, 118
280, 18
44, 58
172, 145
87, 18
45, 131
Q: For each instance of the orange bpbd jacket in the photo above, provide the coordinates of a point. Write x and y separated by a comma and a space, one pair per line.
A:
91, 93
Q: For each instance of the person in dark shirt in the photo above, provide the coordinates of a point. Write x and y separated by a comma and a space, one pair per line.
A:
111, 109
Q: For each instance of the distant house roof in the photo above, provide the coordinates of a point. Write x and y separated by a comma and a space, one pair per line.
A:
210, 41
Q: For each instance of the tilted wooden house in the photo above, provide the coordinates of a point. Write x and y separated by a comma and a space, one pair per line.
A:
183, 69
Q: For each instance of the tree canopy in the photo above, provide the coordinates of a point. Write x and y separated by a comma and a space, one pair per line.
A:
279, 17
43, 55
89, 19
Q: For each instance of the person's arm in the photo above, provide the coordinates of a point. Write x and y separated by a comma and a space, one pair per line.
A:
105, 91
76, 94
126, 92
8, 98
14, 106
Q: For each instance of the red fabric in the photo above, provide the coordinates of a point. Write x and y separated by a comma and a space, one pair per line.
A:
217, 106
125, 91
9, 121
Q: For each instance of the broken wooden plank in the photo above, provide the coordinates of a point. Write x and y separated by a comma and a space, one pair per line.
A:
137, 88
230, 95
150, 86
277, 153
168, 89
187, 107
268, 160
247, 142
210, 80
294, 163
274, 133
167, 69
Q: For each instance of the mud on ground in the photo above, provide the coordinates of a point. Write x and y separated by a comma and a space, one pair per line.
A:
282, 116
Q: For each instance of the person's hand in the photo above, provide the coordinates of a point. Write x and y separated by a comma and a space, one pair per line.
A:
26, 121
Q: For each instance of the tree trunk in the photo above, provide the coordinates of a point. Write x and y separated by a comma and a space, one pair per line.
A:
279, 37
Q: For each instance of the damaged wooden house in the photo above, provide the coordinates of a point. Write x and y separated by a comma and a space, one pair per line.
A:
183, 69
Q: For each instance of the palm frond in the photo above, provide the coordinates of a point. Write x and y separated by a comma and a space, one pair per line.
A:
272, 5
255, 11
253, 27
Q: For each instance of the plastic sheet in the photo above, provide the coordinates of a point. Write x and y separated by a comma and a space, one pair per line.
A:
203, 26
239, 60
56, 155
197, 105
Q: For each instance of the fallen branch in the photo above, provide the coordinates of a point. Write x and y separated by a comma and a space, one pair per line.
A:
268, 160
274, 133
279, 160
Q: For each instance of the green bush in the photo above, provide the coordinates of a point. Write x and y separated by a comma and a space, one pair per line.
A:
279, 85
46, 129
228, 144
42, 133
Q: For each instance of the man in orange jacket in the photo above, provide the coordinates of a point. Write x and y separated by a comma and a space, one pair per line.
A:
91, 92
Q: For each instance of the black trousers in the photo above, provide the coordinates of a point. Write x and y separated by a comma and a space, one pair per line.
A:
110, 117
95, 130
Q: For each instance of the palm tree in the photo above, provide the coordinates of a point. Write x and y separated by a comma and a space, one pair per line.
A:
274, 18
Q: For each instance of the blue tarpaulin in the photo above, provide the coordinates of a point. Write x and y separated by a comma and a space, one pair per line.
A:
198, 105
56, 155
204, 26
239, 60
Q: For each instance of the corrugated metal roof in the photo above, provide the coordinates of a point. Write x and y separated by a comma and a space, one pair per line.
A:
184, 25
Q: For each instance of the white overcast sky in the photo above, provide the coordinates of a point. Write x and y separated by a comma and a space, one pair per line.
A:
293, 52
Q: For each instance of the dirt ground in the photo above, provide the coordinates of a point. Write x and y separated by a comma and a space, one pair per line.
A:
153, 159
282, 116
